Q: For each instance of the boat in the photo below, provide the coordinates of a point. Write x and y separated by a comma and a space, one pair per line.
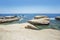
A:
8, 19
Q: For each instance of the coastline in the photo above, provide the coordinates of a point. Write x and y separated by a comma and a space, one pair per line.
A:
18, 32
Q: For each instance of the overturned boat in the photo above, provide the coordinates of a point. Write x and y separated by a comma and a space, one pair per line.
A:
8, 19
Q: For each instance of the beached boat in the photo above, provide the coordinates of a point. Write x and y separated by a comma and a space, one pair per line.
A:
8, 19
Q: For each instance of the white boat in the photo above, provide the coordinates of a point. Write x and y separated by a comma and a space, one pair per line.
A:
8, 19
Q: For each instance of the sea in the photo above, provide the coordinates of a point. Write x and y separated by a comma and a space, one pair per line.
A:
54, 24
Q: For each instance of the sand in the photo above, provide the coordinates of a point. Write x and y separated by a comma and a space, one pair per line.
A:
18, 32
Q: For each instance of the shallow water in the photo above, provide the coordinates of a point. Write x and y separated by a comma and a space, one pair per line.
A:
25, 17
54, 24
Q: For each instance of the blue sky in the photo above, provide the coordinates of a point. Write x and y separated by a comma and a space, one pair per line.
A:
29, 6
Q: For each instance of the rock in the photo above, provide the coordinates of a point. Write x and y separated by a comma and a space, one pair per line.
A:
7, 19
17, 27
57, 18
46, 19
39, 21
40, 16
28, 26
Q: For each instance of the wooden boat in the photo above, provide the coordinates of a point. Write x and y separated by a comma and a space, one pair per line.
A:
8, 19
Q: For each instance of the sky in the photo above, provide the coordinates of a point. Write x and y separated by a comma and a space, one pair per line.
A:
29, 6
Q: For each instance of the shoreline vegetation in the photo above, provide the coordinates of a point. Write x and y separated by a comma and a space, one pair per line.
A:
30, 30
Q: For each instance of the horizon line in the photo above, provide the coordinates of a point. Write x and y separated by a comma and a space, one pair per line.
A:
29, 13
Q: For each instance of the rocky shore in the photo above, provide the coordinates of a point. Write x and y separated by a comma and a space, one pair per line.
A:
19, 32
28, 31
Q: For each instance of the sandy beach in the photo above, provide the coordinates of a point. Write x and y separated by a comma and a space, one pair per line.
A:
19, 32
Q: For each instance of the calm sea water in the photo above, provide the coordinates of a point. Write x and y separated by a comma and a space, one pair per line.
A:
25, 17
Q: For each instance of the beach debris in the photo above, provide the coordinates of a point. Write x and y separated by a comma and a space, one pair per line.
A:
57, 17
